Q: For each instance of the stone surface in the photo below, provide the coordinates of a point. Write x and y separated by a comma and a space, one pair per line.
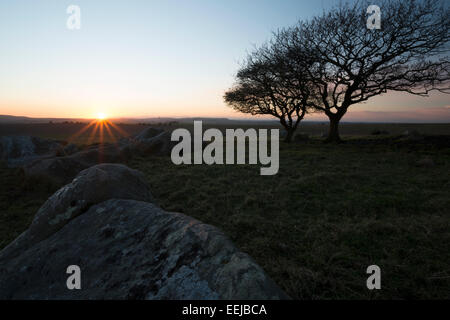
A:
159, 144
148, 133
63, 166
63, 169
20, 150
129, 249
126, 249
91, 186
69, 149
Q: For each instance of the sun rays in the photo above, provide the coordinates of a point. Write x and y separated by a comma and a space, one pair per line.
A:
100, 130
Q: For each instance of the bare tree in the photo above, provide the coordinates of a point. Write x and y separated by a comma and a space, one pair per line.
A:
353, 63
267, 84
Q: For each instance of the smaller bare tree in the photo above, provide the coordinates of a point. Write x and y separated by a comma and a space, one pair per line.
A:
267, 84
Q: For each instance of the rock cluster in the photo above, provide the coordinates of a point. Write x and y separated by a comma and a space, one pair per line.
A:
61, 163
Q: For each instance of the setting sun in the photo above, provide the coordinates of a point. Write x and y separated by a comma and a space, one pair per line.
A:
101, 116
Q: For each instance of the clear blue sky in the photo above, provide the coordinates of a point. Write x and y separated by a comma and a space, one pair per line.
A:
135, 57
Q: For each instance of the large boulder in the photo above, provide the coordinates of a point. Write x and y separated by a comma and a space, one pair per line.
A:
91, 186
126, 249
20, 150
129, 249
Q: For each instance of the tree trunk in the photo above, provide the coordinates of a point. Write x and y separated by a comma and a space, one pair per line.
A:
289, 135
333, 134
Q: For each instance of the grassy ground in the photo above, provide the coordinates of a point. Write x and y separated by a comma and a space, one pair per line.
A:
331, 211
20, 198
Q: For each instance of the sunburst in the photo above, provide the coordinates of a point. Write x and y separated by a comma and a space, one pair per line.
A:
100, 128
101, 116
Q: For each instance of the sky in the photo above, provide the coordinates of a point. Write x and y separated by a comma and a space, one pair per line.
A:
144, 58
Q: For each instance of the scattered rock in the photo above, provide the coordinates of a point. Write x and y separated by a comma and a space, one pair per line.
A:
65, 164
60, 164
62, 170
59, 170
20, 150
69, 149
148, 133
151, 141
159, 145
126, 249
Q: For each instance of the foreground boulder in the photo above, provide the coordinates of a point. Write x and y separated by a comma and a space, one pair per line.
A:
91, 186
19, 150
126, 249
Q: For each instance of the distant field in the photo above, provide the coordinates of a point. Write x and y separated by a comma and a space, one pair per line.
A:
77, 132
331, 211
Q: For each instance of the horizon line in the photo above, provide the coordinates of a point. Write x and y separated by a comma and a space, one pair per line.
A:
212, 118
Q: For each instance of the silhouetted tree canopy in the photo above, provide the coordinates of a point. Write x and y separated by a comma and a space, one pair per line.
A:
334, 61
409, 53
267, 84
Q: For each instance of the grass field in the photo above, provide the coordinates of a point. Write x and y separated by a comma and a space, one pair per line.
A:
331, 211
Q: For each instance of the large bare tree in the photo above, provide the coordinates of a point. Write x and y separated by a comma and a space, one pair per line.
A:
267, 84
354, 63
